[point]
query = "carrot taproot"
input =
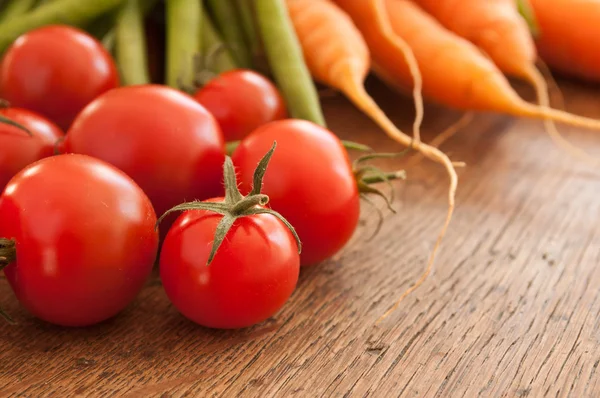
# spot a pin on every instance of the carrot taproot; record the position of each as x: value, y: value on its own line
x: 370, y: 18
x: 568, y: 39
x: 337, y: 55
x: 503, y: 34
x: 455, y: 73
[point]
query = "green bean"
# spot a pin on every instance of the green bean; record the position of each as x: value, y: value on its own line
x: 215, y: 54
x: 287, y: 62
x: 70, y: 12
x: 131, y: 44
x: 16, y: 8
x: 229, y: 25
x: 183, y: 40
x: 248, y: 20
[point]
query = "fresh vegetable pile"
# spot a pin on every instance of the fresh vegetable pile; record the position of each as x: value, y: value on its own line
x: 189, y: 133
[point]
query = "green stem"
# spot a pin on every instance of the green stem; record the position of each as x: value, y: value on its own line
x: 70, y: 12
x: 528, y: 14
x: 385, y: 177
x: 229, y: 25
x: 16, y: 8
x: 183, y: 40
x: 131, y: 44
x: 287, y: 62
x: 231, y: 146
x: 236, y: 205
x: 217, y: 57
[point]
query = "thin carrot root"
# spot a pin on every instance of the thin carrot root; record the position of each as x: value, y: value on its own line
x: 539, y: 84
x: 444, y: 136
x: 361, y: 98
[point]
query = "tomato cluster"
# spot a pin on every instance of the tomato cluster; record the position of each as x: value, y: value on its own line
x: 87, y: 166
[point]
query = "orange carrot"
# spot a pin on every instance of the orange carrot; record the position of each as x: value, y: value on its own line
x: 496, y: 27
x: 337, y: 55
x: 569, y: 36
x: 454, y: 71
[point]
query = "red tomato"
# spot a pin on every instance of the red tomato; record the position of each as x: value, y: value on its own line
x: 241, y: 101
x: 56, y: 71
x: 18, y: 148
x: 163, y: 139
x: 309, y: 181
x: 85, y: 239
x: 253, y: 273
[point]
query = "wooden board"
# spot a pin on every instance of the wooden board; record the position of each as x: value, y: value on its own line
x: 512, y: 308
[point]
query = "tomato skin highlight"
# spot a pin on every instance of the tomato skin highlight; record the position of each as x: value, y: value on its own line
x: 85, y: 239
x: 241, y: 101
x: 252, y: 275
x: 18, y: 148
x: 309, y: 181
x: 56, y: 71
x: 163, y: 139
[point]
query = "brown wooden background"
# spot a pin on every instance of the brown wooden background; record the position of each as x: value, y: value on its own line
x: 511, y: 310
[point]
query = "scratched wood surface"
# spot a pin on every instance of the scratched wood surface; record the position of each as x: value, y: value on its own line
x: 512, y: 308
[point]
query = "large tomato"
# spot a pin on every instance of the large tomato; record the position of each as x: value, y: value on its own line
x: 310, y: 181
x: 56, y: 71
x: 241, y: 101
x: 20, y: 149
x: 85, y: 239
x: 163, y: 139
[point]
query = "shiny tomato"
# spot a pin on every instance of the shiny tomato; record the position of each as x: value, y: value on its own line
x: 163, y: 139
x: 241, y: 101
x: 56, y: 71
x: 20, y: 149
x: 254, y: 271
x: 85, y: 239
x: 310, y: 181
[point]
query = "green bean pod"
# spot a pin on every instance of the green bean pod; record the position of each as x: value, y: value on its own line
x: 183, y: 41
x: 70, y: 12
x: 131, y: 44
x: 16, y: 8
x: 217, y: 57
x: 287, y: 62
x: 229, y: 25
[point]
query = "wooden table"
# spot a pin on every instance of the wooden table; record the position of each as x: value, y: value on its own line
x: 512, y: 308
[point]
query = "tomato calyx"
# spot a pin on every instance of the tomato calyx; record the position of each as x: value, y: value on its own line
x: 235, y: 205
x: 366, y: 175
x: 8, y: 255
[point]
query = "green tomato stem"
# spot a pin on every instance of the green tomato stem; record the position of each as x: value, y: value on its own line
x: 236, y: 205
x: 183, y: 40
x: 131, y: 44
x: 70, y: 12
x: 287, y: 61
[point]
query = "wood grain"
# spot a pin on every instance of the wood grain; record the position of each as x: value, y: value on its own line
x: 512, y: 309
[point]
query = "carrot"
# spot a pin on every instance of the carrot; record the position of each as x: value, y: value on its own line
x: 497, y: 28
x: 455, y: 73
x: 369, y: 17
x: 568, y: 39
x: 337, y: 55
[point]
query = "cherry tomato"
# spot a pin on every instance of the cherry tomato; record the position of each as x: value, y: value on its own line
x: 56, y: 71
x: 309, y: 181
x: 85, y: 239
x: 241, y: 101
x: 254, y: 271
x: 18, y: 148
x: 163, y: 139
